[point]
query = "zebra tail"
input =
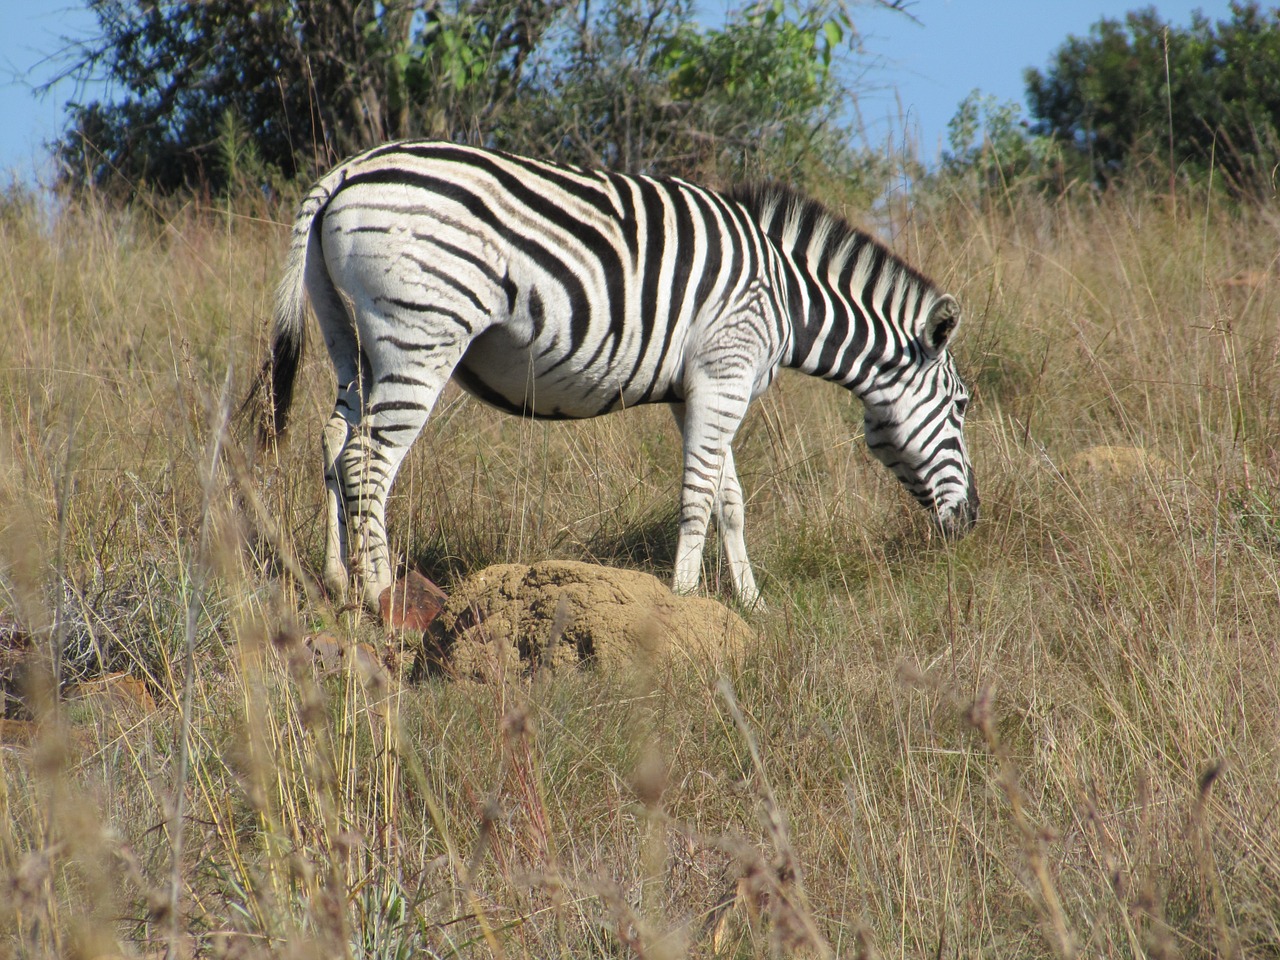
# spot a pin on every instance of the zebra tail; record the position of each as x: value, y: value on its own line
x: 288, y: 335
x: 273, y: 387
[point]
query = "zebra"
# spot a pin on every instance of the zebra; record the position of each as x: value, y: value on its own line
x: 557, y: 292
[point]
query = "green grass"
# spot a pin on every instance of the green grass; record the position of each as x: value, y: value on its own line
x: 1058, y: 737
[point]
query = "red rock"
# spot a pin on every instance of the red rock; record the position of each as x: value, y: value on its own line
x: 411, y: 603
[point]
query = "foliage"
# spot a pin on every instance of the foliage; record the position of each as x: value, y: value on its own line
x: 1141, y: 93
x: 308, y: 80
x: 991, y: 147
x: 762, y: 89
x: 647, y: 88
x: 637, y: 84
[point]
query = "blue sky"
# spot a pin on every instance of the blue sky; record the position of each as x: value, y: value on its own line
x: 927, y: 67
x: 919, y: 71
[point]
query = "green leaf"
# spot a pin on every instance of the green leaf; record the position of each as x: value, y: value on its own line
x: 834, y: 33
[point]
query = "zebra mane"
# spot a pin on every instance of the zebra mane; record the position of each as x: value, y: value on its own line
x: 795, y: 220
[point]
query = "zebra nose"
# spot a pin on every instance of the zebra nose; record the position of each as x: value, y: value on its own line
x: 960, y: 519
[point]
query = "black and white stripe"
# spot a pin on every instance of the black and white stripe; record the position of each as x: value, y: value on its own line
x: 556, y: 292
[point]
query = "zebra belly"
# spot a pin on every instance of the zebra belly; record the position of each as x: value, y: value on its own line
x: 532, y: 382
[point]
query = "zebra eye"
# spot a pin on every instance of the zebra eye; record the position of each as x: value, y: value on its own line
x: 962, y: 404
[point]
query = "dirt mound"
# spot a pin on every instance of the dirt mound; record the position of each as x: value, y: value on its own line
x: 563, y: 613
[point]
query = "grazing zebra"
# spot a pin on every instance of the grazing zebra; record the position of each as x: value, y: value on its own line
x: 555, y: 292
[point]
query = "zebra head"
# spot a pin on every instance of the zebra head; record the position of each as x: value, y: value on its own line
x: 915, y: 423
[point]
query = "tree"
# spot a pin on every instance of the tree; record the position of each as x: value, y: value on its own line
x: 646, y: 88
x: 304, y: 81
x: 990, y: 146
x: 206, y: 92
x: 1139, y: 93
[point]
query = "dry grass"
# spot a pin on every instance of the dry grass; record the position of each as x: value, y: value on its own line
x: 1056, y: 738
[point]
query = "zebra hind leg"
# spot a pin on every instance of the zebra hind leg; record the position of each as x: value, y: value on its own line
x: 403, y: 392
x: 334, y: 316
x: 336, y: 541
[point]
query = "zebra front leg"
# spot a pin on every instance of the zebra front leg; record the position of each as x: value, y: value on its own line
x: 731, y: 521
x: 691, y: 542
x: 727, y: 504
x: 708, y: 428
x: 696, y: 508
x: 694, y: 516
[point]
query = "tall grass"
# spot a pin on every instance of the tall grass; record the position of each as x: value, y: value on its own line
x: 1058, y: 737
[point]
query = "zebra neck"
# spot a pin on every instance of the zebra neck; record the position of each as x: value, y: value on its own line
x: 848, y: 321
x: 854, y: 307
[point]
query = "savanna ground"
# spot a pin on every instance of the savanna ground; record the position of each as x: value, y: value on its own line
x: 1058, y: 737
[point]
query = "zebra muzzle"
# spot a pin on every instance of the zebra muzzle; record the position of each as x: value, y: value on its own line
x: 960, y: 518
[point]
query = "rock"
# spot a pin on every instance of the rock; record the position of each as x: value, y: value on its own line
x: 1249, y: 280
x: 15, y: 649
x: 326, y: 652
x: 330, y: 655
x: 411, y: 603
x: 1119, y: 463
x: 562, y: 613
x: 53, y: 744
x: 116, y: 694
x: 17, y: 733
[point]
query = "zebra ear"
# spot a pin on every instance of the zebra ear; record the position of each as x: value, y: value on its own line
x: 944, y: 317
